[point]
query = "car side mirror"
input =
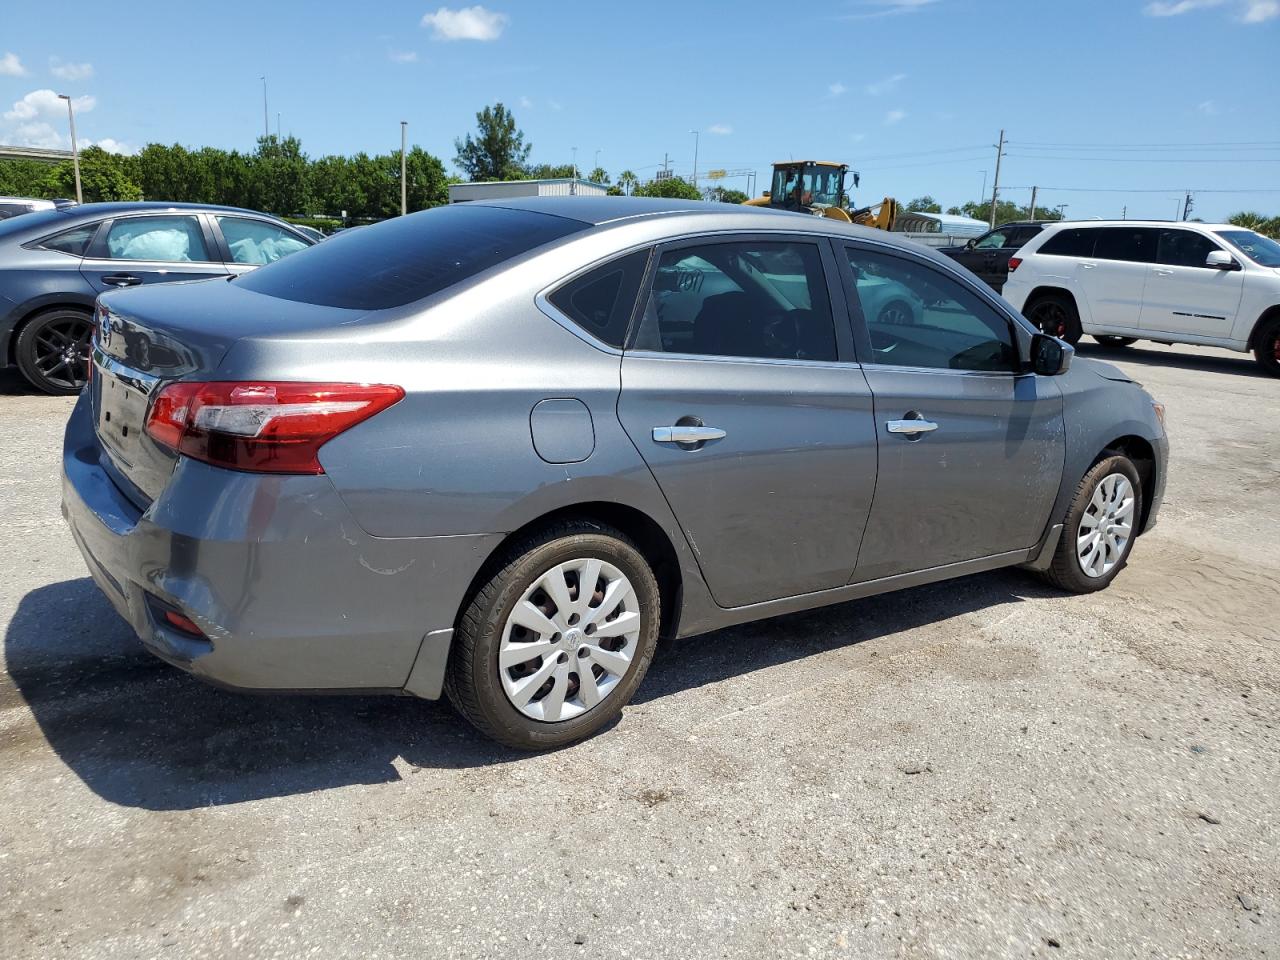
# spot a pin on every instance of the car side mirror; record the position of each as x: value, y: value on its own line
x: 970, y: 243
x: 1050, y: 356
x: 1221, y: 260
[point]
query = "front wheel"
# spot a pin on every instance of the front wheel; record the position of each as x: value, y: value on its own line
x: 555, y: 642
x: 1100, y: 526
x: 1056, y: 315
x: 1266, y: 348
x: 1109, y: 341
x: 53, y: 351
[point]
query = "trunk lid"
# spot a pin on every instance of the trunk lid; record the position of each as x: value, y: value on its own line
x: 146, y: 337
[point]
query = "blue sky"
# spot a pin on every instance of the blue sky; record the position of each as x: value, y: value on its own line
x: 912, y: 93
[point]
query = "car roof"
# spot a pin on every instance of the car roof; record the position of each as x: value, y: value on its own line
x: 138, y: 206
x: 1145, y: 223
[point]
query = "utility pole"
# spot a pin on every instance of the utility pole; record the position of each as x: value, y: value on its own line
x: 597, y: 163
x: 404, y: 184
x: 278, y: 137
x: 696, y: 137
x: 1124, y: 212
x: 1033, y: 203
x: 1187, y: 206
x: 75, y: 150
x: 573, y: 184
x: 995, y: 184
x: 266, y: 123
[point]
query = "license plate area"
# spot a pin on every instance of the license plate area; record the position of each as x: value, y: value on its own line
x: 122, y: 413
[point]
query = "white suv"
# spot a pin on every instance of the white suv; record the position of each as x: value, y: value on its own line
x: 1126, y: 280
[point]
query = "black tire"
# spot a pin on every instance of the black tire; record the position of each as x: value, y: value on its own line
x: 895, y: 312
x: 1056, y: 315
x: 1066, y: 572
x: 1266, y: 347
x: 1108, y: 341
x: 473, y: 683
x: 53, y: 350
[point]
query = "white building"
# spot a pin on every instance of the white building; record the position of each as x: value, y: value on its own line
x: 506, y: 189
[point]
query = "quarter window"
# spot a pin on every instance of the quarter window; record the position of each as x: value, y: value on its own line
x: 765, y: 300
x: 167, y: 239
x: 1132, y: 244
x: 1070, y: 242
x: 919, y: 317
x: 74, y: 242
x: 256, y: 242
x: 602, y: 300
x: 1184, y: 248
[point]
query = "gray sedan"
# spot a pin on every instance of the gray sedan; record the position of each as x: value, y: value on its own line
x: 498, y: 450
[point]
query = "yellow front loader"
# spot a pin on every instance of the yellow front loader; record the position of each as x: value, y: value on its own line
x: 818, y: 187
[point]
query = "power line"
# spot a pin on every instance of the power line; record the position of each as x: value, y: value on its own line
x: 1040, y: 156
x: 1178, y: 190
x: 1144, y: 146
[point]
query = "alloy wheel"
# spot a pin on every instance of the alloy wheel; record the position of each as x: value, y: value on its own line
x: 895, y: 312
x: 1106, y: 526
x: 61, y: 351
x: 570, y: 640
x: 1052, y: 319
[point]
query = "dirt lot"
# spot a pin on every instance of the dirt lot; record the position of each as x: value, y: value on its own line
x: 976, y: 769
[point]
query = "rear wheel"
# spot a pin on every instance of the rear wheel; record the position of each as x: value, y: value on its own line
x: 1266, y: 348
x: 1108, y: 341
x: 53, y: 351
x: 555, y: 642
x: 1100, y: 526
x: 1056, y: 315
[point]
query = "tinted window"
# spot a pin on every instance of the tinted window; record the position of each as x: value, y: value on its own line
x: 1132, y: 244
x: 1261, y: 250
x: 398, y: 261
x: 760, y: 299
x: 1183, y: 248
x: 1071, y: 242
x: 72, y: 241
x: 601, y: 301
x: 1024, y: 234
x: 167, y: 239
x: 257, y: 242
x: 993, y: 241
x: 919, y: 317
x: 8, y: 210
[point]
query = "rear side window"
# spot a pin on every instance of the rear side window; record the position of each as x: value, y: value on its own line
x: 1183, y: 248
x: 1071, y: 242
x: 1131, y: 244
x: 408, y: 258
x: 163, y: 239
x: 602, y: 300
x: 74, y: 242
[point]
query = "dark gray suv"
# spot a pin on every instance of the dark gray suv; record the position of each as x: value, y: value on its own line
x: 53, y: 263
x: 498, y: 449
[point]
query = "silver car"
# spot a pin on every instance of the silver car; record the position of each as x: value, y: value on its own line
x: 500, y: 449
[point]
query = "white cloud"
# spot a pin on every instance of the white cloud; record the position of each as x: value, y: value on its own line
x: 11, y: 66
x: 894, y: 116
x: 837, y: 88
x: 1209, y: 108
x: 1174, y: 8
x: 112, y: 145
x: 526, y: 103
x: 40, y: 120
x: 720, y: 129
x: 1259, y: 11
x: 888, y: 8
x: 466, y: 23
x: 70, y: 71
x: 402, y: 56
x: 45, y: 103
x: 881, y: 87
x: 1246, y: 11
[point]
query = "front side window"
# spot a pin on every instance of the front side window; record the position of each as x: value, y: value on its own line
x: 256, y: 242
x: 1131, y: 244
x: 993, y: 241
x: 1263, y: 251
x: 166, y: 239
x: 602, y: 300
x: 74, y: 241
x: 1183, y: 248
x: 760, y: 299
x: 919, y: 317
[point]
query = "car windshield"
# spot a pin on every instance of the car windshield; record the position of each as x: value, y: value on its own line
x: 808, y: 185
x: 1263, y: 251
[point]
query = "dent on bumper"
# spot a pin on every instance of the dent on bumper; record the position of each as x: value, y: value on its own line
x: 290, y: 592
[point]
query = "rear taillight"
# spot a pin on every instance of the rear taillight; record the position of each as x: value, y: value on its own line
x: 266, y: 427
x: 1014, y: 263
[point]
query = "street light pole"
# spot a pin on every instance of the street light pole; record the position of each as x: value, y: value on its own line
x: 404, y: 184
x: 266, y: 122
x: 75, y: 149
x: 696, y: 138
x: 573, y: 184
x: 597, y: 161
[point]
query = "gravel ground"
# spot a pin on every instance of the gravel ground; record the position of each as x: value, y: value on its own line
x: 984, y: 768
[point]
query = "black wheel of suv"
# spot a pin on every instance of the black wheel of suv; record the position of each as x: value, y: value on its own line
x: 1266, y: 348
x: 1056, y: 315
x: 1099, y: 528
x: 554, y: 643
x: 1107, y: 341
x: 53, y: 351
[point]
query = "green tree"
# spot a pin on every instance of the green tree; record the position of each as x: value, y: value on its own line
x: 103, y: 176
x: 1005, y: 211
x: 672, y: 187
x: 498, y: 152
x: 547, y: 171
x: 278, y: 176
x: 726, y: 195
x: 925, y: 204
x: 428, y: 186
x: 1252, y: 220
x: 599, y: 175
x: 628, y: 181
x: 26, y: 178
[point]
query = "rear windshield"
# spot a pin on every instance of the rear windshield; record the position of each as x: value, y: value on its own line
x: 402, y: 260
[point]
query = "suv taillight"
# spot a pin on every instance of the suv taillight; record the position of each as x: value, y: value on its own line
x: 265, y: 427
x: 1014, y: 263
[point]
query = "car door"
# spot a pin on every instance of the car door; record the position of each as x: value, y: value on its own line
x: 1184, y: 296
x: 971, y: 447
x: 739, y: 391
x: 246, y: 243
x: 983, y: 257
x: 1114, y: 277
x: 150, y: 248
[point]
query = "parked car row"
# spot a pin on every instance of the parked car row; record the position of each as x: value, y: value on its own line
x: 498, y: 449
x: 54, y: 262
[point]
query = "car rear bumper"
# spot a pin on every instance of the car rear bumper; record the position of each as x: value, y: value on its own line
x: 289, y: 592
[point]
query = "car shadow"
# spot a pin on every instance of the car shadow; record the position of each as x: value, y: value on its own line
x: 14, y: 384
x: 1242, y: 365
x: 142, y: 734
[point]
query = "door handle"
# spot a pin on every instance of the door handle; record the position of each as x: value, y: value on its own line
x: 121, y: 280
x: 1163, y: 273
x: 912, y: 428
x: 1087, y: 266
x: 689, y: 434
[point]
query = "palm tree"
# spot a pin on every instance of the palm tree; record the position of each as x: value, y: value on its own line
x: 599, y: 175
x: 628, y: 181
x: 1248, y: 219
